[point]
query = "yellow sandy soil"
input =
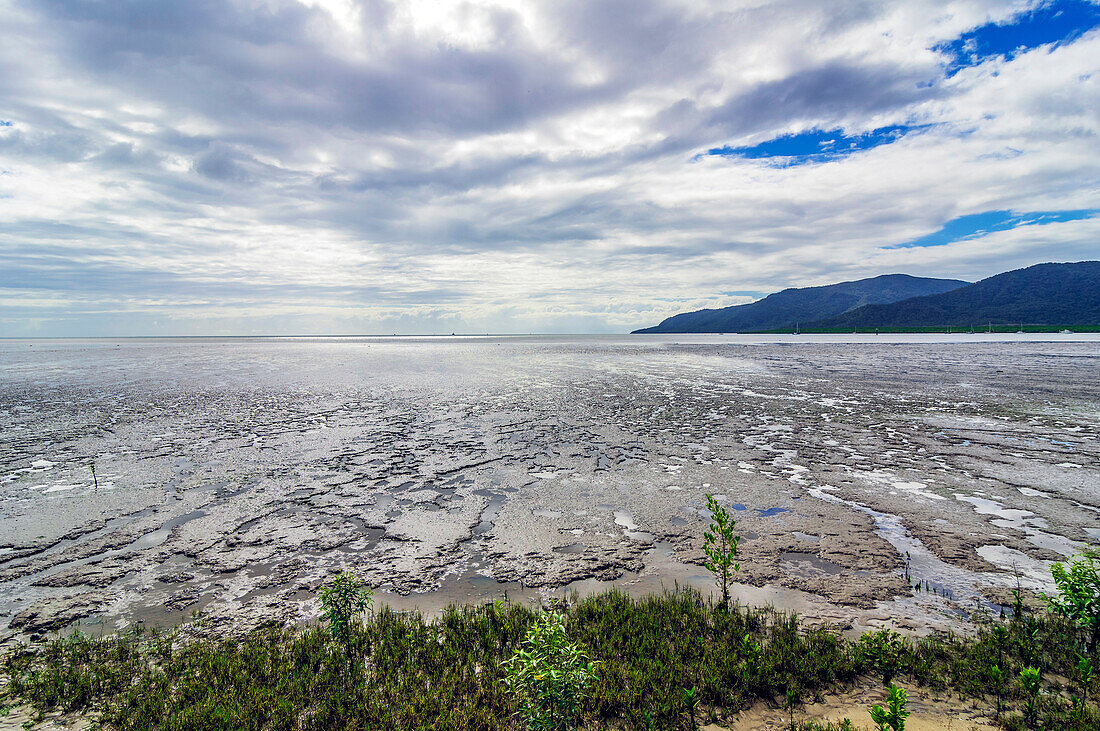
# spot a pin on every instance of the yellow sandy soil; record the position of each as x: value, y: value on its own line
x: 930, y: 711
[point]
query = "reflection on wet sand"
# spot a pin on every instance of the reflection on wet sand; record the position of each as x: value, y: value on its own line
x: 233, y: 476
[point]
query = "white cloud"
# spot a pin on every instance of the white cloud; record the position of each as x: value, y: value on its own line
x: 340, y: 166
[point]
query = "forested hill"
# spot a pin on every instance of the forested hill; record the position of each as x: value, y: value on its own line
x: 790, y: 307
x: 1044, y: 294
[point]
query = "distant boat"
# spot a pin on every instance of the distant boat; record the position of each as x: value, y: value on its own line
x: 1065, y: 332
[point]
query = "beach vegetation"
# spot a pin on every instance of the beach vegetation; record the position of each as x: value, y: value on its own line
x: 549, y: 674
x: 607, y: 660
x: 720, y: 546
x: 1031, y: 682
x: 343, y: 600
x: 882, y: 651
x: 891, y: 717
x: 403, y: 670
x: 1086, y: 674
x: 1078, y: 597
x: 997, y: 676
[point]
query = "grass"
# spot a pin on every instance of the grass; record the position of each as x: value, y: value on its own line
x: 404, y: 671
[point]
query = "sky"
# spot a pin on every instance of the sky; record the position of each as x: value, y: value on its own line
x: 240, y: 167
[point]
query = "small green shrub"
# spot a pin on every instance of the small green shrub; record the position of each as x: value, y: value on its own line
x: 1032, y: 683
x: 883, y: 650
x: 1086, y: 672
x: 998, y: 677
x: 549, y: 674
x: 690, y: 698
x: 1079, y: 593
x: 342, y: 600
x: 892, y: 717
x: 720, y: 547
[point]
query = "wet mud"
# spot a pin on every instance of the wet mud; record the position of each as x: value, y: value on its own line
x: 231, y: 477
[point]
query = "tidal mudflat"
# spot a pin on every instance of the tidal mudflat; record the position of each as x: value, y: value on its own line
x: 233, y: 475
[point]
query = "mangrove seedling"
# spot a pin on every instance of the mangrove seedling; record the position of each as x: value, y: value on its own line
x: 750, y: 665
x: 892, y: 717
x: 882, y: 650
x: 1031, y: 682
x: 1028, y: 643
x: 720, y: 546
x: 549, y: 675
x: 999, y: 634
x: 1085, y: 673
x: 1079, y: 593
x: 998, y: 677
x: 342, y: 601
x: 690, y: 699
x: 1017, y: 605
x: 792, y: 701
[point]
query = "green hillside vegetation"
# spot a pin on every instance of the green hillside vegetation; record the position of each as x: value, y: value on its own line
x: 1040, y: 298
x: 1060, y: 295
x: 987, y: 327
x: 787, y: 308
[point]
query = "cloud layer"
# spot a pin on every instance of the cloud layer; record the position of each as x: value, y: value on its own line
x: 332, y: 166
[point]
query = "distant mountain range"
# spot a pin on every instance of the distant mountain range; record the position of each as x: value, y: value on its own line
x: 1044, y: 294
x: 792, y: 307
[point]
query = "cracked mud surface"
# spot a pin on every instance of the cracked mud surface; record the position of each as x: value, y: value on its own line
x: 232, y: 476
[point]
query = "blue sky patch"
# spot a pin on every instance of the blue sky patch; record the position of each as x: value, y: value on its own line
x: 816, y: 145
x: 980, y: 224
x: 1060, y: 21
x: 4, y: 123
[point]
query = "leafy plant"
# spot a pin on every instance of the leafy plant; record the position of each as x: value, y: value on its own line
x: 792, y: 701
x: 751, y: 653
x: 998, y: 677
x: 342, y: 600
x: 550, y: 675
x: 1031, y: 682
x: 892, y: 717
x: 1028, y: 640
x: 720, y: 546
x: 690, y: 698
x: 999, y: 634
x: 1017, y: 603
x: 882, y: 650
x: 1079, y: 593
x: 1085, y: 673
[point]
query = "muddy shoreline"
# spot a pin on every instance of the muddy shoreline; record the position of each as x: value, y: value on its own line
x: 233, y: 476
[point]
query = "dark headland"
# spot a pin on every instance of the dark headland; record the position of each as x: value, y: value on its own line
x: 1040, y: 296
